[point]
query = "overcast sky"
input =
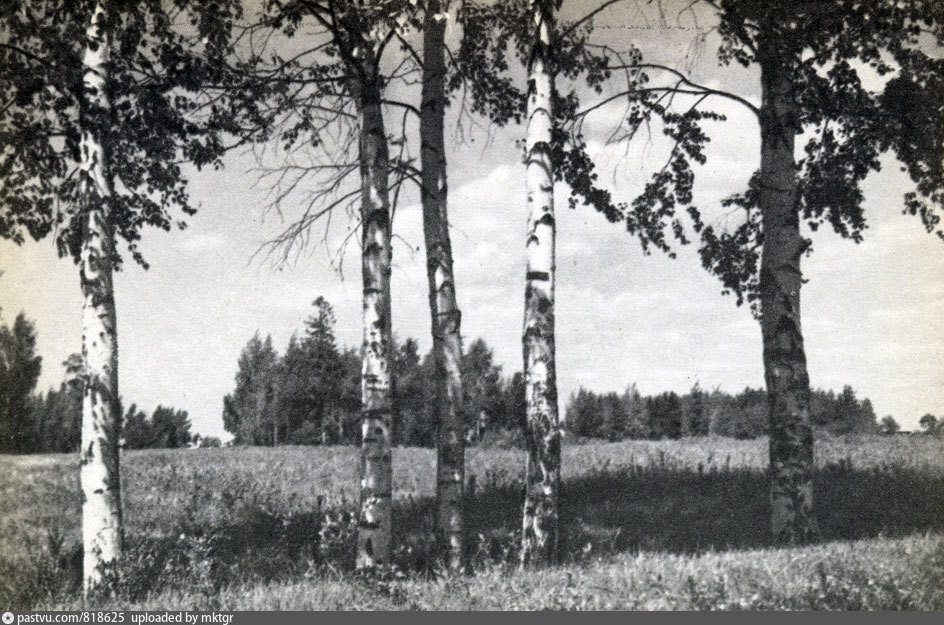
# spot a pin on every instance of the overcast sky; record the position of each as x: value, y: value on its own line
x: 871, y: 312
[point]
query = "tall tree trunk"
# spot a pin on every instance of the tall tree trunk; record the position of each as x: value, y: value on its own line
x: 373, y: 539
x: 788, y: 383
x: 539, y: 542
x: 101, y: 414
x: 444, y: 312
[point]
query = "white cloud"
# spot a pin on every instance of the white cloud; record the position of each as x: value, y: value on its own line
x: 201, y: 242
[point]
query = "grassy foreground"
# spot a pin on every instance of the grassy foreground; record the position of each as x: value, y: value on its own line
x: 647, y: 525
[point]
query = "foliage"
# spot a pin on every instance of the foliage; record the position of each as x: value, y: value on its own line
x: 164, y: 110
x: 485, y: 392
x: 171, y: 427
x: 309, y: 376
x: 166, y: 429
x: 206, y: 441
x: 495, y: 35
x: 52, y: 421
x: 865, y: 82
x: 412, y: 397
x: 314, y: 391
x: 248, y: 413
x: 136, y: 431
x: 609, y: 416
x: 57, y: 418
x: 931, y: 425
x: 311, y: 394
x: 665, y: 415
x: 19, y: 371
x: 841, y: 413
x: 888, y: 425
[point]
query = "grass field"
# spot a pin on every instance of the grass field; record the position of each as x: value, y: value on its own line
x: 647, y: 525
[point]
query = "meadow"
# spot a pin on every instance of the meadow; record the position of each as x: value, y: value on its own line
x: 646, y: 525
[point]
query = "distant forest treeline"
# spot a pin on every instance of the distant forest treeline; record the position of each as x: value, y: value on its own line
x: 310, y: 395
x: 700, y: 413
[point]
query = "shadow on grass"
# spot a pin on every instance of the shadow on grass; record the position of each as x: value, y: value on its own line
x: 684, y: 511
x: 666, y: 509
x: 634, y: 509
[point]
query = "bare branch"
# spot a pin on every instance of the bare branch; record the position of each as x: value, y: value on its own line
x: 696, y: 89
x: 404, y: 105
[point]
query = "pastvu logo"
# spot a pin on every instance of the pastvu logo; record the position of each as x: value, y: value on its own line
x: 7, y: 618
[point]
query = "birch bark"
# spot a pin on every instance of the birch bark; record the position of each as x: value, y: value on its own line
x: 443, y: 309
x: 374, y: 531
x: 785, y: 372
x: 541, y: 505
x: 101, y: 416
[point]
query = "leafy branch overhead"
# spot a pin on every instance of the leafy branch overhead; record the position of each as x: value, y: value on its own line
x: 484, y: 67
x: 590, y: 76
x: 867, y: 81
x: 169, y: 108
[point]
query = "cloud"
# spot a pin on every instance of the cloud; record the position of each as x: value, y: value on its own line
x: 202, y: 242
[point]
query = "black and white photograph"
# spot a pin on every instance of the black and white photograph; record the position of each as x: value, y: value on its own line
x: 470, y: 305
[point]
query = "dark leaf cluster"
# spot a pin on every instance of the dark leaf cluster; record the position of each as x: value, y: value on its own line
x: 165, y: 82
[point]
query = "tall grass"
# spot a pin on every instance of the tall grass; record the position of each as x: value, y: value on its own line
x: 212, y: 528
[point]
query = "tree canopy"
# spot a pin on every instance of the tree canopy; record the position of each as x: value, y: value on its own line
x: 866, y: 82
x: 165, y: 87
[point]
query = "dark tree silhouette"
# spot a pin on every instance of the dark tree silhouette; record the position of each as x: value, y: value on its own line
x: 19, y: 371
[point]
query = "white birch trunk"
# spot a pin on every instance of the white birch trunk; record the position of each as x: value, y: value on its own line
x: 101, y: 417
x: 540, y: 521
x: 444, y: 311
x: 374, y: 529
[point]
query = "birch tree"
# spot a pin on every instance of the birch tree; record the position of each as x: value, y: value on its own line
x: 550, y: 53
x: 358, y: 82
x: 539, y: 541
x: 103, y: 102
x: 443, y: 308
x: 311, y: 101
x: 101, y: 410
x: 490, y: 94
x: 335, y: 100
x: 817, y: 63
x: 374, y: 528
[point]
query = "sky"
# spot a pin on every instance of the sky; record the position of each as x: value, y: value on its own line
x: 871, y: 312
